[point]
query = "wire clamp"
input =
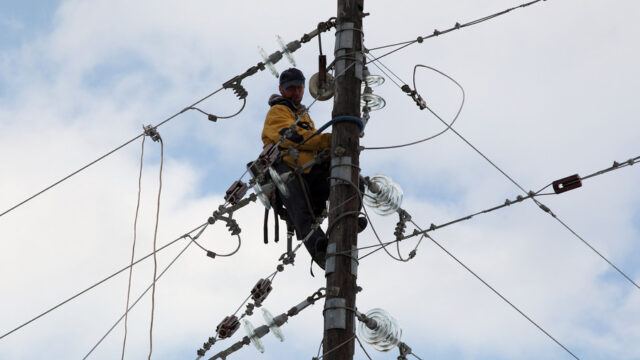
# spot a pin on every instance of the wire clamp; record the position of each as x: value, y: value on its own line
x: 152, y: 132
x: 415, y: 96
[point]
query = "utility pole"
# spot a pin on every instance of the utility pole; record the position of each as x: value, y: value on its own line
x: 342, y: 263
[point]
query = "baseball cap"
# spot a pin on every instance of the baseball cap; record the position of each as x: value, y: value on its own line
x: 291, y: 77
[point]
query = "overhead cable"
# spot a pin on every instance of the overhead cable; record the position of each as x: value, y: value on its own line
x: 436, y: 32
x: 141, y: 296
x: 502, y: 297
x: 99, y: 282
x: 423, y: 105
x: 233, y: 84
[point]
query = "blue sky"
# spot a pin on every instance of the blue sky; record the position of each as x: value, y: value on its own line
x: 550, y: 91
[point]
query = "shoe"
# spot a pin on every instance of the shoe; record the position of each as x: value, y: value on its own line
x: 362, y: 223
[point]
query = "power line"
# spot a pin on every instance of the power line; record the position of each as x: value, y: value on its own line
x: 436, y: 32
x: 106, y: 155
x: 448, y: 125
x: 139, y: 298
x: 98, y: 283
x: 502, y: 297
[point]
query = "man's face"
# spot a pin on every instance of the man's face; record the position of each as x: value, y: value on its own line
x: 293, y: 93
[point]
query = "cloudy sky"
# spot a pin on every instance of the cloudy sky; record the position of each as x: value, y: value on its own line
x: 551, y: 90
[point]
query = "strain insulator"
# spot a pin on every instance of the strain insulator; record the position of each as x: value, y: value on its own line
x: 227, y: 327
x: 566, y: 184
x: 261, y: 290
x: 236, y: 192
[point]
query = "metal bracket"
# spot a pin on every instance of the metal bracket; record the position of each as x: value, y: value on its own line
x: 344, y: 45
x: 330, y: 266
x: 335, y: 314
x: 340, y: 169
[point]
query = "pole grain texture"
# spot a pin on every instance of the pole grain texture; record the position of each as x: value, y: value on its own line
x: 341, y: 282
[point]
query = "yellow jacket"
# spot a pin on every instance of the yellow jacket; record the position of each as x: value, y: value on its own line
x: 281, y: 115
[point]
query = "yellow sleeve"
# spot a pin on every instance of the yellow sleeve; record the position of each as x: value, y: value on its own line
x: 279, y: 119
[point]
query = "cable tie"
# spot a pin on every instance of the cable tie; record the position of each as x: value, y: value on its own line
x: 420, y: 39
x: 436, y: 32
x: 457, y: 26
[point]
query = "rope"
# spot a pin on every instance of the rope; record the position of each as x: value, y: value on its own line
x: 155, y: 261
x: 133, y: 248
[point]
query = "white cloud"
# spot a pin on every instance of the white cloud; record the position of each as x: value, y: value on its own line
x: 550, y: 92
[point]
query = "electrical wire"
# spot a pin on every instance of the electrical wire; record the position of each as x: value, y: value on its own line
x: 501, y: 296
x: 216, y: 117
x: 107, y: 154
x: 97, y: 284
x: 137, y: 300
x: 133, y: 248
x: 363, y: 349
x: 448, y: 125
x: 457, y: 26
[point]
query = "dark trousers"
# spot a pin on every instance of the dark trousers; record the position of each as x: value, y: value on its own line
x: 316, y: 184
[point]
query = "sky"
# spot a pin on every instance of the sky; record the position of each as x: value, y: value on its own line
x: 549, y: 92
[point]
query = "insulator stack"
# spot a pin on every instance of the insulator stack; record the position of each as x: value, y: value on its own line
x: 383, y: 195
x: 385, y: 335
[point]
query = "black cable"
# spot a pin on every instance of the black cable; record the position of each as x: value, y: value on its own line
x: 107, y: 154
x: 98, y: 283
x: 501, y: 296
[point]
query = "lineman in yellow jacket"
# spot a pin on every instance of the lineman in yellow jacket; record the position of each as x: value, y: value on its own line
x: 309, y: 192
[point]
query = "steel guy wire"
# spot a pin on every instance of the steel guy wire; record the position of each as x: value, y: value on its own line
x: 201, y: 227
x: 436, y: 32
x: 137, y: 300
x: 501, y: 296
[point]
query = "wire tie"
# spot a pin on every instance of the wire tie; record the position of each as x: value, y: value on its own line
x: 436, y: 32
x: 433, y: 227
x: 630, y: 162
x: 457, y: 26
x: 616, y: 164
x: 420, y: 39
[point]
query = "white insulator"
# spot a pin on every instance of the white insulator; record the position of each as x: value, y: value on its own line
x: 279, y: 181
x: 372, y: 81
x: 383, y: 195
x: 371, y: 101
x: 251, y: 334
x: 387, y: 333
x: 263, y: 193
x: 286, y: 51
x: 275, y: 329
x: 268, y: 62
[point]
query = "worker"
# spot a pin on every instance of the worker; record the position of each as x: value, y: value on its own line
x: 308, y: 192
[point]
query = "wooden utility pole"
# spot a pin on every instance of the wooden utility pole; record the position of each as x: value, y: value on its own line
x: 342, y: 263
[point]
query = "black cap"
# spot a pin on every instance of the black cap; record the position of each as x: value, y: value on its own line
x: 291, y: 77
